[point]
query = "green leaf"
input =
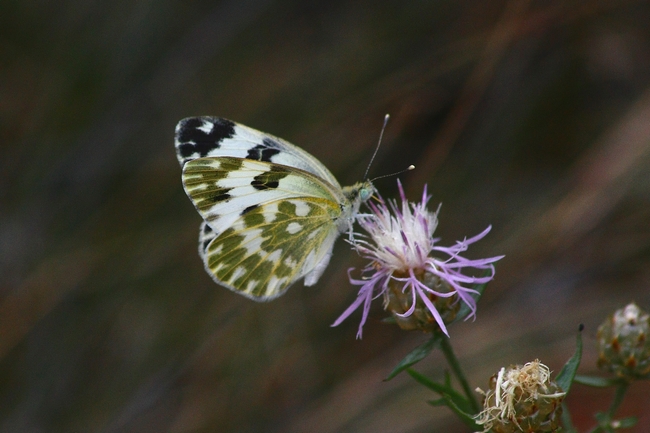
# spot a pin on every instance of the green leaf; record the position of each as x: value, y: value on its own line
x: 597, y: 382
x: 416, y: 355
x: 447, y: 379
x: 565, y: 377
x: 458, y: 399
x: 627, y: 422
x: 465, y: 417
x: 604, y: 422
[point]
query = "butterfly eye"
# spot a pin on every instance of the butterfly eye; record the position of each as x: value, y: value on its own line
x: 366, y: 192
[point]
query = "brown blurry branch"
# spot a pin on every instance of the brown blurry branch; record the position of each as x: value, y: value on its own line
x: 472, y: 92
x: 599, y: 181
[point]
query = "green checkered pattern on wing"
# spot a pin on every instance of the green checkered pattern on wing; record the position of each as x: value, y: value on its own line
x: 215, y: 185
x: 265, y: 271
x: 201, y: 178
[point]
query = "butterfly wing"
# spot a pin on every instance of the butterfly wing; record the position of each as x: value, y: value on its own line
x: 261, y: 260
x: 198, y: 137
x: 266, y: 225
x: 271, y: 210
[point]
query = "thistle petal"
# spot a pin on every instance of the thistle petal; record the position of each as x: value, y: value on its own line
x: 401, y: 248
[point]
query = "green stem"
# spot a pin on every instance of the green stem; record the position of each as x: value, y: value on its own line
x: 621, y: 389
x: 446, y: 348
x: 603, y: 426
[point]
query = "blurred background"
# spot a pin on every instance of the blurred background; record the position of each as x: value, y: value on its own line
x: 531, y: 116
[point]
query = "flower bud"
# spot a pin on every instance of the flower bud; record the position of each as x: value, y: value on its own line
x: 398, y: 299
x: 521, y: 398
x: 623, y: 346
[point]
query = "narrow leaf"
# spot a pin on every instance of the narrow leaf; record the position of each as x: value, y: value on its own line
x: 447, y: 379
x: 565, y: 377
x: 604, y: 422
x: 465, y: 417
x: 597, y: 382
x: 415, y: 356
x: 438, y: 402
x: 627, y: 422
x: 458, y: 399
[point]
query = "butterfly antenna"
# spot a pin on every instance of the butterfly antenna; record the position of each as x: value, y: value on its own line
x: 409, y: 168
x: 381, y: 134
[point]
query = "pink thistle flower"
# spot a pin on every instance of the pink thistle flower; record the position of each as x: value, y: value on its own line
x: 404, y: 270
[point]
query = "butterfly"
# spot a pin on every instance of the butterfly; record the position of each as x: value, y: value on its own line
x: 271, y: 211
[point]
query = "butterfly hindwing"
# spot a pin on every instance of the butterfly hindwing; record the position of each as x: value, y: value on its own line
x: 272, y: 246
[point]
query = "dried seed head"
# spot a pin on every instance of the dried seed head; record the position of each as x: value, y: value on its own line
x: 521, y: 398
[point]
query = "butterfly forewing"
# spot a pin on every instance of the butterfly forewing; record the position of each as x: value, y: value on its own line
x: 198, y: 137
x: 224, y: 189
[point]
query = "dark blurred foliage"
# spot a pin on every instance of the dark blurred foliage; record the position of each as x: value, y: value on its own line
x: 532, y: 116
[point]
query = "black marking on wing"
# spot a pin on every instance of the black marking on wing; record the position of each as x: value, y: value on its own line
x: 269, y: 179
x: 193, y: 140
x: 249, y: 208
x: 202, y: 180
x: 206, y: 235
x: 212, y: 197
x: 264, y: 151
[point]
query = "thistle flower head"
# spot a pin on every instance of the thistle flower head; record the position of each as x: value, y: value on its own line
x: 624, y: 344
x: 521, y: 398
x: 422, y: 282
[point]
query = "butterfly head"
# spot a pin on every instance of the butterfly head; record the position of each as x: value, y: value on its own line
x: 366, y: 190
x: 359, y: 193
x: 356, y: 195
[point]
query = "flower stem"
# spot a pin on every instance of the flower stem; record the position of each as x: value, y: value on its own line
x: 446, y: 348
x: 605, y: 422
x: 621, y: 389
